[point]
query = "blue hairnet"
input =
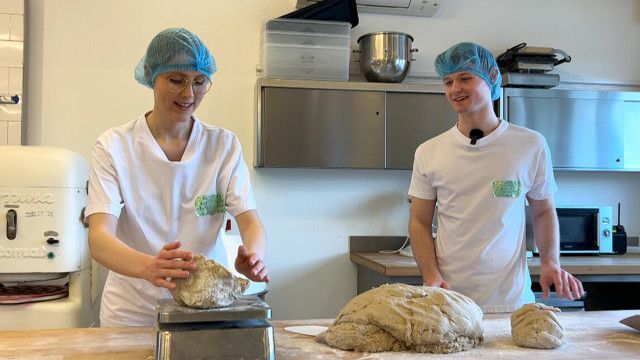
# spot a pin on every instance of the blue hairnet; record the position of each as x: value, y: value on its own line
x: 174, y: 49
x: 473, y: 58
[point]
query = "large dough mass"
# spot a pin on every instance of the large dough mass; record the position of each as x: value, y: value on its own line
x: 210, y: 286
x: 536, y: 326
x: 402, y: 317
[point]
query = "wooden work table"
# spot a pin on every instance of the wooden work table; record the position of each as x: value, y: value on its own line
x: 589, y: 335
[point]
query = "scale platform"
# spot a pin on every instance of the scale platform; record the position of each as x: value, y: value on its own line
x: 237, y: 331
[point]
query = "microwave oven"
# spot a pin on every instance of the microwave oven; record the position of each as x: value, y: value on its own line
x: 583, y: 230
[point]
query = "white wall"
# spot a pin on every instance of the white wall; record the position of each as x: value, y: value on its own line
x: 11, y: 61
x: 80, y: 61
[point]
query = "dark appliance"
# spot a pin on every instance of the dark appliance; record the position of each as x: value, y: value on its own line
x: 328, y: 10
x: 619, y: 237
x: 527, y: 66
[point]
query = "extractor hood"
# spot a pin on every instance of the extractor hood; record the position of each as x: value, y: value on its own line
x: 396, y: 7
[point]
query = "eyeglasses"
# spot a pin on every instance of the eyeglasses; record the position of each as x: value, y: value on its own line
x: 200, y: 85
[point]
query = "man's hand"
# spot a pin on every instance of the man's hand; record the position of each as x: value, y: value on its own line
x: 438, y: 281
x: 251, y: 265
x: 566, y: 284
x: 170, y: 263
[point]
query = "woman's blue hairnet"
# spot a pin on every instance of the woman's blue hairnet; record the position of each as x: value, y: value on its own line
x: 470, y: 57
x: 174, y: 49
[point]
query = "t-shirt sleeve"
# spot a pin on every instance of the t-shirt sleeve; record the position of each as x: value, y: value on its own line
x: 239, y: 196
x: 420, y: 186
x: 104, y: 186
x: 544, y: 184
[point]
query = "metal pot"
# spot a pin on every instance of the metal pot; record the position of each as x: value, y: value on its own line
x: 385, y: 56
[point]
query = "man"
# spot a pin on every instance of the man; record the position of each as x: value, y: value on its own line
x: 479, y: 173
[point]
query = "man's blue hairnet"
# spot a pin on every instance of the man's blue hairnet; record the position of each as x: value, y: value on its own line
x: 473, y: 58
x: 171, y: 50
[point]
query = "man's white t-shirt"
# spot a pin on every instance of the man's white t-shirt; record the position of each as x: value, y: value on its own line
x: 480, y: 192
x: 158, y: 201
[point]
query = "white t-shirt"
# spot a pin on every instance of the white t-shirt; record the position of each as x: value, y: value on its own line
x: 480, y: 191
x: 158, y: 201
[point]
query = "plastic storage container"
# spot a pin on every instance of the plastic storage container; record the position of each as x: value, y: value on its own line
x: 307, y: 49
x: 309, y: 26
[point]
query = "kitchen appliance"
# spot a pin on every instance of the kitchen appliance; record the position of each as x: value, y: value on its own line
x: 331, y: 10
x: 395, y: 7
x: 531, y: 59
x: 385, y: 56
x: 527, y: 66
x: 238, y: 331
x: 45, y: 270
x: 619, y: 237
x: 583, y: 230
x: 530, y: 80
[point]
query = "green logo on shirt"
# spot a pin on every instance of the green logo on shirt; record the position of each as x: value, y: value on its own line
x: 209, y: 204
x: 506, y: 188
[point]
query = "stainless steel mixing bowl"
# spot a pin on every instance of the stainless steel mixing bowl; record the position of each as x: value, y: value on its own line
x: 385, y: 56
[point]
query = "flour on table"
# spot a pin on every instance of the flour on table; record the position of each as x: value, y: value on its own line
x: 210, y: 286
x: 401, y: 317
x: 536, y: 326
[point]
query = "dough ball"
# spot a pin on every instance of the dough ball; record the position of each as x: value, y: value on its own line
x: 536, y: 326
x: 210, y: 286
x: 402, y: 317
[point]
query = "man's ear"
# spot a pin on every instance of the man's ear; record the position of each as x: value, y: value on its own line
x: 493, y: 75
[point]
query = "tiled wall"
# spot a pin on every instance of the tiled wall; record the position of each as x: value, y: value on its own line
x: 11, y: 60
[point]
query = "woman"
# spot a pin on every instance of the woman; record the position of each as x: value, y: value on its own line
x: 161, y: 184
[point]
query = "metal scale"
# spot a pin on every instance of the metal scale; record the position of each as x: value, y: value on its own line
x: 238, y: 331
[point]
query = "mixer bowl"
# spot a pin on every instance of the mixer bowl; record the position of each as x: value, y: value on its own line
x: 385, y: 56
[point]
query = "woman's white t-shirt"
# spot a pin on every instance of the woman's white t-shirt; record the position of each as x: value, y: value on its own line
x: 158, y: 201
x: 480, y: 191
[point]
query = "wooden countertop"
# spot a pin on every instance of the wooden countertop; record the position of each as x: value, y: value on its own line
x: 591, y: 335
x: 398, y: 265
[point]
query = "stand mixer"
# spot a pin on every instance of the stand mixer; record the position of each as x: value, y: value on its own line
x: 46, y: 279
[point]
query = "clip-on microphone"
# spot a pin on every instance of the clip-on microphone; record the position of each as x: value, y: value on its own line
x: 475, y: 134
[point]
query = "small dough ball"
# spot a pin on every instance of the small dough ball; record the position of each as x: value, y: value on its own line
x: 401, y: 317
x: 210, y: 286
x: 537, y: 326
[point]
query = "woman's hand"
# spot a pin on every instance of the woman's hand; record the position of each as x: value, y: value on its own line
x: 170, y: 263
x: 251, y: 265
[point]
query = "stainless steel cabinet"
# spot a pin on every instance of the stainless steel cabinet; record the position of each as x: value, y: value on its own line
x: 632, y: 135
x: 413, y: 118
x: 335, y: 128
x: 321, y: 128
x: 585, y: 130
